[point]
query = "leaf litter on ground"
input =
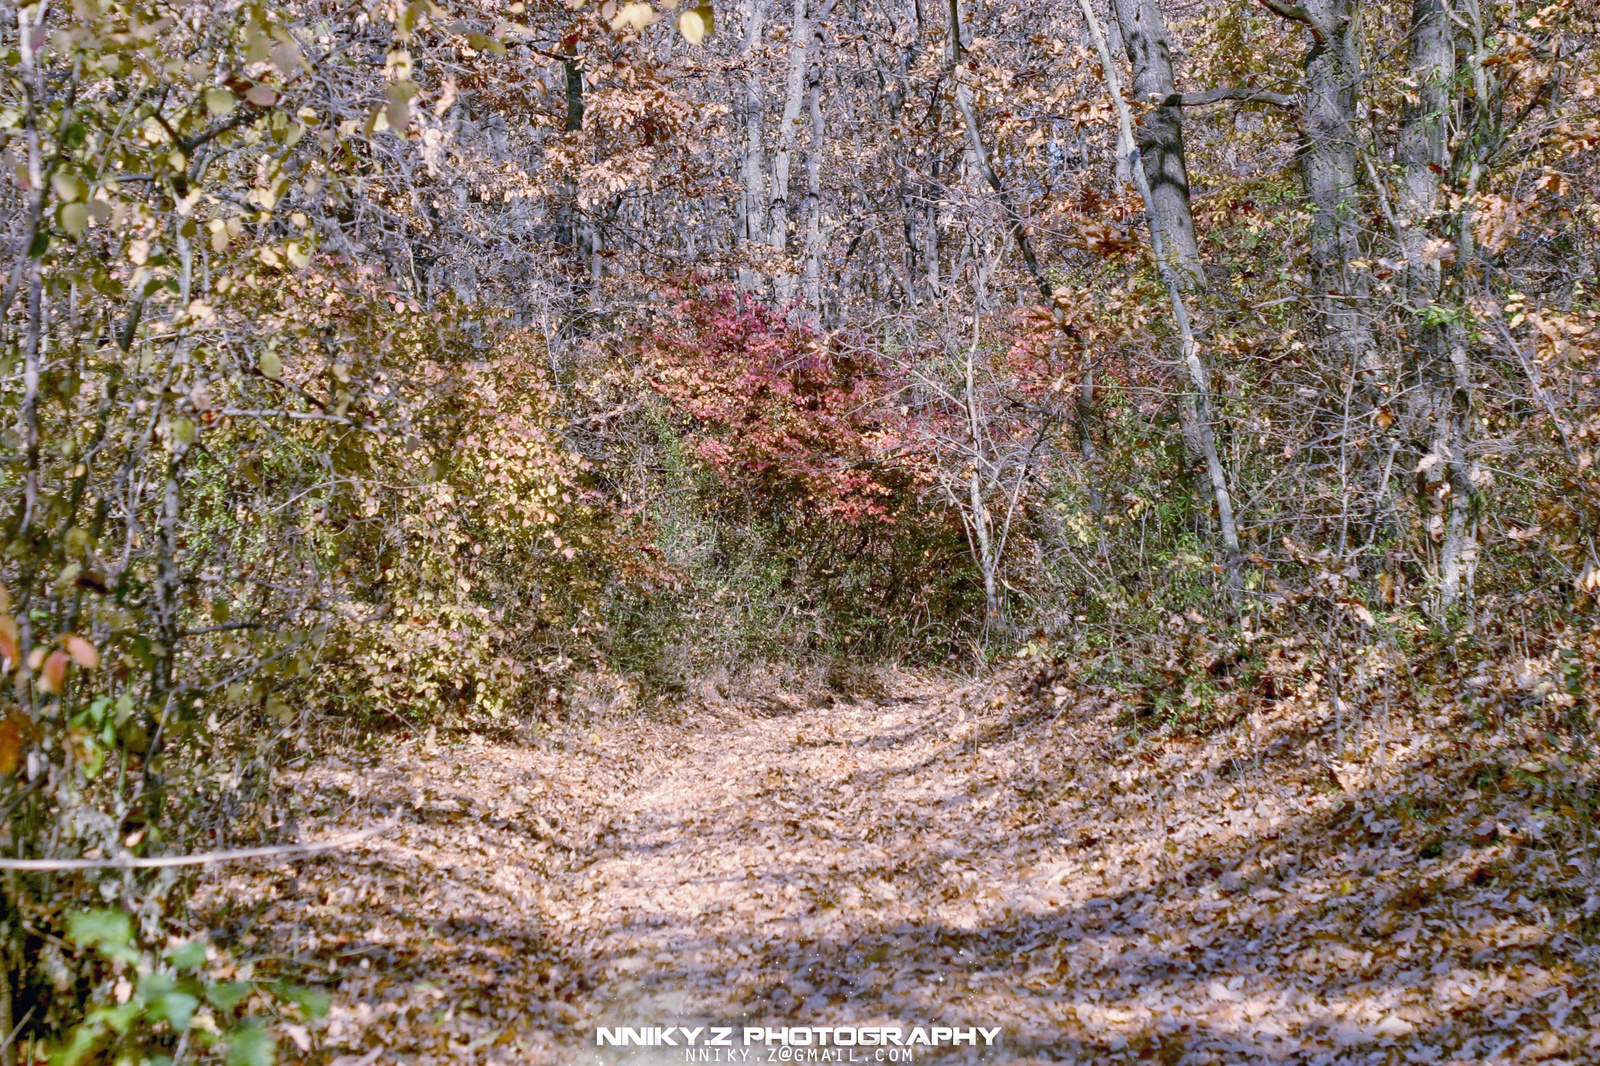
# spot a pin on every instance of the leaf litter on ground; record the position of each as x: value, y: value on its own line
x: 986, y: 854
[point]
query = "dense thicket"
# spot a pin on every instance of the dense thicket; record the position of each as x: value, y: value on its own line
x: 444, y: 363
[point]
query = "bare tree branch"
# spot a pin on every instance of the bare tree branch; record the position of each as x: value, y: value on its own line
x: 1298, y: 13
x: 128, y: 862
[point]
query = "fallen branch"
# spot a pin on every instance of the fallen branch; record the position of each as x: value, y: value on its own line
x: 1216, y: 96
x: 130, y: 862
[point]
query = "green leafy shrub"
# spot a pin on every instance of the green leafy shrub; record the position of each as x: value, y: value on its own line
x: 146, y: 1007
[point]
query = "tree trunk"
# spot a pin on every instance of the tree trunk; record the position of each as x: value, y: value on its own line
x: 1437, y: 370
x: 1341, y: 296
x: 572, y: 122
x: 812, y: 290
x: 1197, y: 404
x: 979, y: 519
x: 932, y: 194
x: 753, y: 174
x: 1160, y: 137
x: 576, y: 230
x: 799, y: 46
x: 1084, y: 416
x: 904, y: 187
x: 1328, y: 170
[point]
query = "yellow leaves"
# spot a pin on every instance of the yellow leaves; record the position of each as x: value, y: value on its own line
x: 1497, y: 221
x: 143, y: 31
x: 74, y: 219
x: 258, y: 44
x: 697, y: 23
x: 447, y: 97
x: 1562, y: 337
x: 17, y: 731
x: 1436, y: 250
x: 1097, y: 112
x: 270, y: 364
x: 220, y: 102
x: 69, y: 187
x: 633, y: 18
x: 414, y: 15
x: 201, y: 312
x: 286, y: 54
x: 1553, y: 182
x: 397, y: 115
x: 266, y: 193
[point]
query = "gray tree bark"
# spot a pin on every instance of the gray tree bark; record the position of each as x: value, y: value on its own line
x: 1437, y: 372
x: 752, y: 169
x: 576, y: 229
x: 1328, y: 169
x: 1197, y: 402
x: 812, y: 285
x: 1160, y: 136
x: 778, y: 214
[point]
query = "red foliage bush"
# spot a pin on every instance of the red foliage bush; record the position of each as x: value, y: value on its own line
x: 790, y: 419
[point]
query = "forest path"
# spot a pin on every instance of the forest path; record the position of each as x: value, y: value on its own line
x: 935, y: 857
x: 827, y: 865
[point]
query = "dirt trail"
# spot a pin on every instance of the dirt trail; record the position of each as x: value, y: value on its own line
x: 929, y: 858
x: 827, y: 868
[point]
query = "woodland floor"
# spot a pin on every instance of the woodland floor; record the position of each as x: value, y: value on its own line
x: 935, y: 856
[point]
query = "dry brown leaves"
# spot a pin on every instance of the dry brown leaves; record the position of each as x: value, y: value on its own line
x: 956, y: 857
